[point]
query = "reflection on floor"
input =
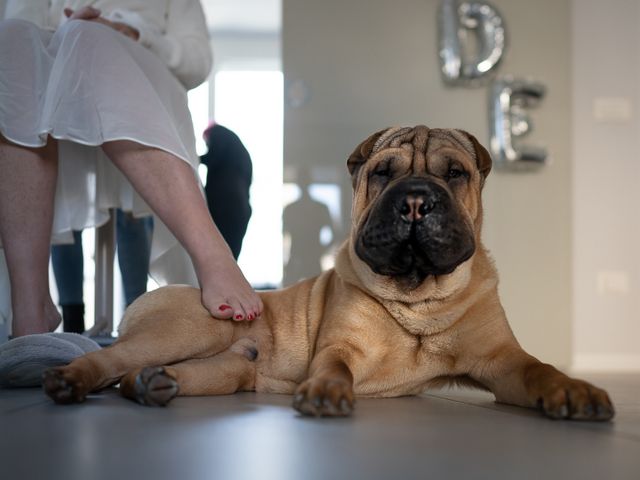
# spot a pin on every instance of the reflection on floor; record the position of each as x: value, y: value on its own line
x: 443, y: 435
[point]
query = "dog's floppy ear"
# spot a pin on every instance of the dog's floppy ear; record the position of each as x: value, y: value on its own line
x: 483, y: 159
x: 362, y: 153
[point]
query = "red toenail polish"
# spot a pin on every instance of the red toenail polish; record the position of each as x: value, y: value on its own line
x: 250, y: 317
x: 224, y: 307
x: 238, y: 317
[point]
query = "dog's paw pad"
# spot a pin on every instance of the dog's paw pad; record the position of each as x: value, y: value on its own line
x: 324, y: 398
x: 155, y: 387
x: 60, y: 388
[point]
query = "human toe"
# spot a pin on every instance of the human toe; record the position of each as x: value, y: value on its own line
x: 254, y: 311
x: 219, y: 307
x: 239, y: 313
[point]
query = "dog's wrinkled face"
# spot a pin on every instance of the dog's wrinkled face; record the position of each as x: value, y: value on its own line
x: 417, y: 210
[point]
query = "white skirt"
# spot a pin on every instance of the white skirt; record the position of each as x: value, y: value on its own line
x: 84, y: 85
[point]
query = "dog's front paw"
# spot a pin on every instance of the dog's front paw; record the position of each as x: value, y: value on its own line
x: 62, y: 386
x: 573, y: 399
x: 155, y: 387
x: 321, y: 397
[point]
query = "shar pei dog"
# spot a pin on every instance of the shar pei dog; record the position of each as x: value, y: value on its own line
x: 411, y: 304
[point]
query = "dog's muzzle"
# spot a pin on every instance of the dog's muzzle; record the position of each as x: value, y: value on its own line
x: 414, y: 230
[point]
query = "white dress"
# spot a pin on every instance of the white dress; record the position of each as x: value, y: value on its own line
x: 84, y: 84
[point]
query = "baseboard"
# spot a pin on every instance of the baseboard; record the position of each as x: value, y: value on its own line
x: 606, y: 362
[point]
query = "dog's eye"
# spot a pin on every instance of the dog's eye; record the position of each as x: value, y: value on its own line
x: 382, y: 172
x: 455, y: 172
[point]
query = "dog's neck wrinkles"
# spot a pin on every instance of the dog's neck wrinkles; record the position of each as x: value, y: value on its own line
x: 430, y: 309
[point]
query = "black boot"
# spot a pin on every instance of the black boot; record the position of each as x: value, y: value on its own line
x: 73, y: 318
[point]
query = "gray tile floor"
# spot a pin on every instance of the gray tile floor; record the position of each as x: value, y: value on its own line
x: 442, y: 435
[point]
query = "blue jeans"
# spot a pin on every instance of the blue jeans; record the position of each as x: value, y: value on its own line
x: 133, y: 237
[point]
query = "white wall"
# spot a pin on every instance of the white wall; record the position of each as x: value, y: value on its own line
x: 243, y: 51
x: 374, y: 63
x: 606, y: 240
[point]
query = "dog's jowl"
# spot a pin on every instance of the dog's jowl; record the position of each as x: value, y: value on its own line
x: 412, y: 303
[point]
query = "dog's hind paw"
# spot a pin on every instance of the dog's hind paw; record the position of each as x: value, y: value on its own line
x: 155, y: 387
x: 61, y: 387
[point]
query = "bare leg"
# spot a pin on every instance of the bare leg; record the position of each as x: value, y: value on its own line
x: 222, y: 374
x: 170, y: 188
x: 27, y: 189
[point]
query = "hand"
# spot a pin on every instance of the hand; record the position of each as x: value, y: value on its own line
x: 93, y: 14
x: 84, y: 13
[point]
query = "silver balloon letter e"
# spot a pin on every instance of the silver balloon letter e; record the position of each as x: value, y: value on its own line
x: 509, y: 98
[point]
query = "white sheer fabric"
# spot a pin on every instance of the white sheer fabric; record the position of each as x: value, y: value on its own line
x: 86, y: 84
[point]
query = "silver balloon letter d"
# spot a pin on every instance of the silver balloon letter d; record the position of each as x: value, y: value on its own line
x: 456, y: 21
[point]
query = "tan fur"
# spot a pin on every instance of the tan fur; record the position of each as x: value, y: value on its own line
x: 347, y: 332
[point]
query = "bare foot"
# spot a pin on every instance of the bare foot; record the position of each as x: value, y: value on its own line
x: 225, y: 291
x: 53, y: 316
x: 35, y: 317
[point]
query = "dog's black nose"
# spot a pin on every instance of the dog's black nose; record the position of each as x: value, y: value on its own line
x: 416, y: 206
x: 416, y: 198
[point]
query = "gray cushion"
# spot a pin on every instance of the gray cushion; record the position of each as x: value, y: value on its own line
x: 24, y: 359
